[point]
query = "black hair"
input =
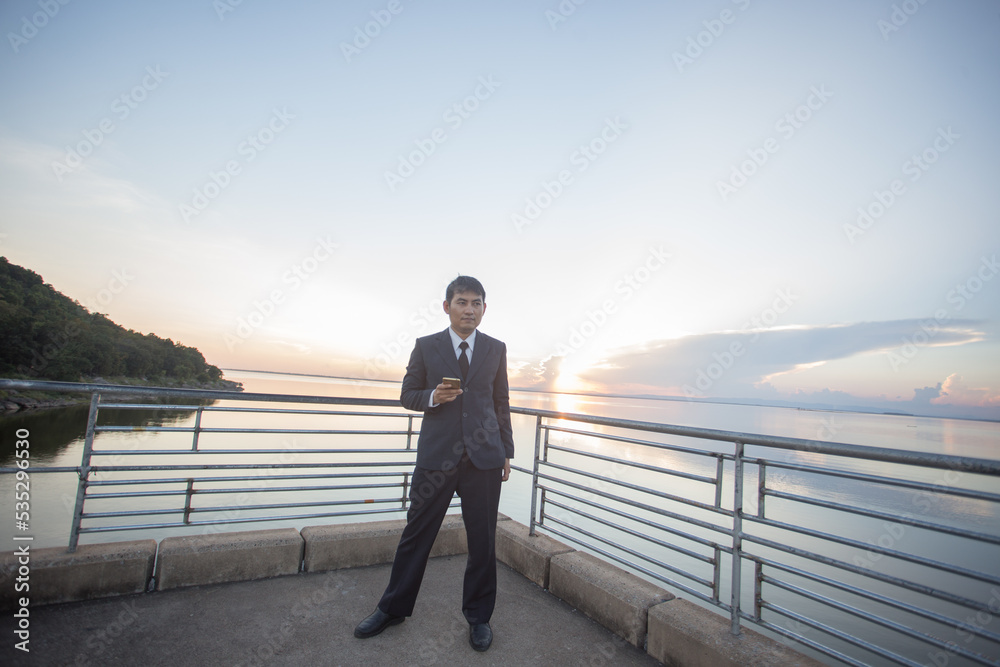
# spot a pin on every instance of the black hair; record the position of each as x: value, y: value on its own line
x: 464, y: 284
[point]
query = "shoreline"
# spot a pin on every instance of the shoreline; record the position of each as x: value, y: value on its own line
x: 16, y: 402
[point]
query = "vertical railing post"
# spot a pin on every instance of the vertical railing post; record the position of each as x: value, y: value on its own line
x: 761, y: 488
x: 534, y: 473
x: 717, y: 574
x: 758, y: 586
x: 81, y: 489
x: 197, y: 430
x: 187, y: 500
x: 736, y: 583
x: 719, y: 476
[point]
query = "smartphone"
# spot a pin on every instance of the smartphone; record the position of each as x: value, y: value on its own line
x: 454, y: 383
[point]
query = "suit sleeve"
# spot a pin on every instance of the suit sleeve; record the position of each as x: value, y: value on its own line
x: 501, y: 405
x: 414, y: 394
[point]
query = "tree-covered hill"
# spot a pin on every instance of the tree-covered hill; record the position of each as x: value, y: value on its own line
x: 45, y: 335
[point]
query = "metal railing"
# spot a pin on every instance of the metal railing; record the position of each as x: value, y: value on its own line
x: 815, y: 536
x: 867, y: 555
x: 232, y: 477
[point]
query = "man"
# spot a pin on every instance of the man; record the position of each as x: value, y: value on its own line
x: 465, y: 447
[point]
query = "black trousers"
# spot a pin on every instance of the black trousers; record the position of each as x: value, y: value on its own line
x: 430, y: 495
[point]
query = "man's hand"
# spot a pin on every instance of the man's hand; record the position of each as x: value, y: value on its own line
x: 506, y: 470
x: 445, y: 394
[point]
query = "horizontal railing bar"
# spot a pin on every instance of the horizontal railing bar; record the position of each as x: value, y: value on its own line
x: 635, y: 441
x: 35, y: 469
x: 856, y: 569
x: 876, y: 619
x: 250, y: 466
x: 670, y: 568
x: 805, y: 641
x: 659, y: 577
x: 174, y: 452
x: 906, y: 457
x: 873, y: 596
x: 843, y: 636
x: 245, y: 489
x: 129, y: 390
x: 652, y: 524
x: 876, y: 514
x: 633, y: 464
x: 846, y: 541
x: 879, y: 479
x: 238, y: 478
x: 635, y: 487
x: 232, y: 508
x: 633, y: 503
x: 223, y: 408
x: 211, y: 522
x: 269, y: 431
x: 633, y: 533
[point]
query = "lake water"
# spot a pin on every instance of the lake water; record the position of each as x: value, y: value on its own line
x: 56, y: 438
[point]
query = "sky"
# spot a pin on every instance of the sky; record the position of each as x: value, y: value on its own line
x: 777, y: 201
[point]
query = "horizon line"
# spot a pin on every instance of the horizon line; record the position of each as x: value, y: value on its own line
x: 652, y: 397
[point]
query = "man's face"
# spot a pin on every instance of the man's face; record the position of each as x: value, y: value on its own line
x: 466, y: 312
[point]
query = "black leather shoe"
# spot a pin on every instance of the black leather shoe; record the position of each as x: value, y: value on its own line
x: 376, y: 623
x: 480, y: 636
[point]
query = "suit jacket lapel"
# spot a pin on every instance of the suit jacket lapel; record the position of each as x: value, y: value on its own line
x: 479, y: 353
x: 448, y: 354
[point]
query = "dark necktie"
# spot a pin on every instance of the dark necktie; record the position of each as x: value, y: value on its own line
x: 463, y: 358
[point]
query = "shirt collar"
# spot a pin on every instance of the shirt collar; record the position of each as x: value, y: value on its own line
x: 456, y: 340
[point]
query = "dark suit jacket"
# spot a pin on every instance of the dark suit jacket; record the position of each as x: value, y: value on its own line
x: 478, y: 421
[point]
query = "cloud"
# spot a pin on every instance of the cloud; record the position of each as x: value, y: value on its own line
x: 28, y: 170
x: 927, y: 395
x: 731, y: 363
x: 954, y: 390
x: 541, y: 375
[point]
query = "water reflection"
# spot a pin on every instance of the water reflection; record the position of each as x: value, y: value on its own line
x: 54, y: 432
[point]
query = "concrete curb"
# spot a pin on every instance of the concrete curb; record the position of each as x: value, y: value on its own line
x: 529, y: 555
x: 673, y: 631
x: 213, y: 559
x: 346, y: 545
x: 683, y: 634
x: 92, y: 571
x: 616, y: 599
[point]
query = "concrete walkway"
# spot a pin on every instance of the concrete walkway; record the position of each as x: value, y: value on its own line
x: 308, y: 620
